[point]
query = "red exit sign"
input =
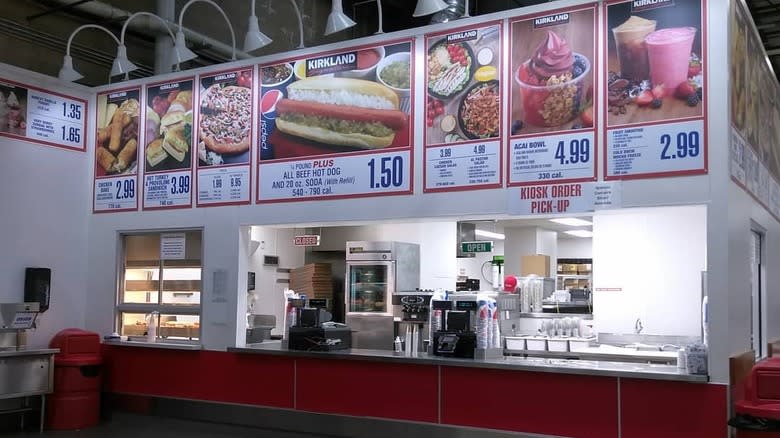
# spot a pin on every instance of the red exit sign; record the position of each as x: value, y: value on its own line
x: 307, y: 240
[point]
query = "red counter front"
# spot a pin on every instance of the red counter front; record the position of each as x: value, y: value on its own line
x: 522, y: 401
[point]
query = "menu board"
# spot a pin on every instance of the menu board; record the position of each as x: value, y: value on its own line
x: 45, y: 117
x: 754, y: 100
x: 655, y: 89
x: 463, y: 108
x: 741, y: 93
x: 224, y: 138
x: 116, y: 150
x: 553, y: 68
x: 168, y: 145
x: 337, y: 124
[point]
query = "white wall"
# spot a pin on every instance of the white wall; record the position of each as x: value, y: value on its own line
x: 522, y: 241
x: 44, y: 220
x: 270, y: 294
x: 438, y: 245
x: 655, y: 256
x: 575, y: 248
x: 472, y: 267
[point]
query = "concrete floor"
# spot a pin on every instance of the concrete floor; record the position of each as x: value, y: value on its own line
x: 124, y: 425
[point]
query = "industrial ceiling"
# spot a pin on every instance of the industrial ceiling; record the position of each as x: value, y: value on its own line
x: 34, y: 33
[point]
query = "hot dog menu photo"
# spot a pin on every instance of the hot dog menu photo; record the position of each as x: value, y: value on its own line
x: 224, y: 137
x: 337, y: 124
x: 553, y: 94
x: 463, y: 108
x: 168, y: 145
x: 116, y: 150
x: 655, y: 89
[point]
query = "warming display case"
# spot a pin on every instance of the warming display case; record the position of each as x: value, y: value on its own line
x: 375, y: 271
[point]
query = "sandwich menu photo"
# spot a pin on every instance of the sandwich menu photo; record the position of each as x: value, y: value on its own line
x: 337, y: 124
x: 168, y: 145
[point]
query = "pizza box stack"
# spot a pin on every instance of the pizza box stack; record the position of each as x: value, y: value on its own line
x: 313, y: 279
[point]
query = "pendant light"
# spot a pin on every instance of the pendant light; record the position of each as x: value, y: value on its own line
x: 122, y: 65
x: 255, y: 39
x: 67, y: 72
x: 180, y: 51
x: 337, y: 19
x: 300, y: 22
x: 428, y: 7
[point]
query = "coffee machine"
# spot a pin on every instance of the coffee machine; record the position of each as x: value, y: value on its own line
x: 313, y: 329
x: 457, y: 337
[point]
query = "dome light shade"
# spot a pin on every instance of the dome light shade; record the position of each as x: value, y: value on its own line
x: 121, y: 64
x: 255, y: 39
x: 180, y: 51
x: 337, y: 19
x: 428, y: 7
x: 67, y: 72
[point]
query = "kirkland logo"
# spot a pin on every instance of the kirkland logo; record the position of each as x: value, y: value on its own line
x: 643, y: 5
x: 551, y: 20
x: 462, y: 36
x: 331, y: 64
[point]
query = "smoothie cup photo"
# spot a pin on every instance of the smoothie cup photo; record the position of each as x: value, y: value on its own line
x: 631, y: 48
x: 669, y: 53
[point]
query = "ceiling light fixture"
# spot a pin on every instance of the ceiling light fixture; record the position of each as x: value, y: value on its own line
x: 428, y: 7
x: 67, y: 72
x: 122, y: 65
x: 572, y: 222
x: 338, y: 20
x: 180, y: 51
x: 580, y: 233
x: 255, y: 39
x: 300, y: 22
x: 489, y: 234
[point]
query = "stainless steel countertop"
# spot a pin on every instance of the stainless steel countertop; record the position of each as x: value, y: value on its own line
x: 28, y: 352
x: 564, y: 366
x: 163, y: 345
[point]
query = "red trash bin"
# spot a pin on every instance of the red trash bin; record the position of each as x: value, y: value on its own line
x: 75, y: 403
x: 759, y: 411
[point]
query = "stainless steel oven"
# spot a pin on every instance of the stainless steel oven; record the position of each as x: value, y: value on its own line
x: 375, y: 271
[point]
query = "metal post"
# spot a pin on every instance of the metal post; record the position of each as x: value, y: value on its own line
x: 166, y: 9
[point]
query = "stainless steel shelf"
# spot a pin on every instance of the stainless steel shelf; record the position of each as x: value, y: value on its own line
x: 554, y: 315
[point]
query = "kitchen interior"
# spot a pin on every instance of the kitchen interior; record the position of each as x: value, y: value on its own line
x: 626, y: 285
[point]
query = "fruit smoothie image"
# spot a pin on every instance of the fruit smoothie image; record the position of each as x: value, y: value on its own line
x: 552, y: 83
x: 669, y: 53
x: 631, y: 49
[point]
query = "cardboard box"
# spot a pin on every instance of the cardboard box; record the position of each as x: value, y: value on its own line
x: 537, y: 264
x: 583, y: 269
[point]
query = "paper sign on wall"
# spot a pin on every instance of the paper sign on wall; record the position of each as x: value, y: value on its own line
x: 172, y: 246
